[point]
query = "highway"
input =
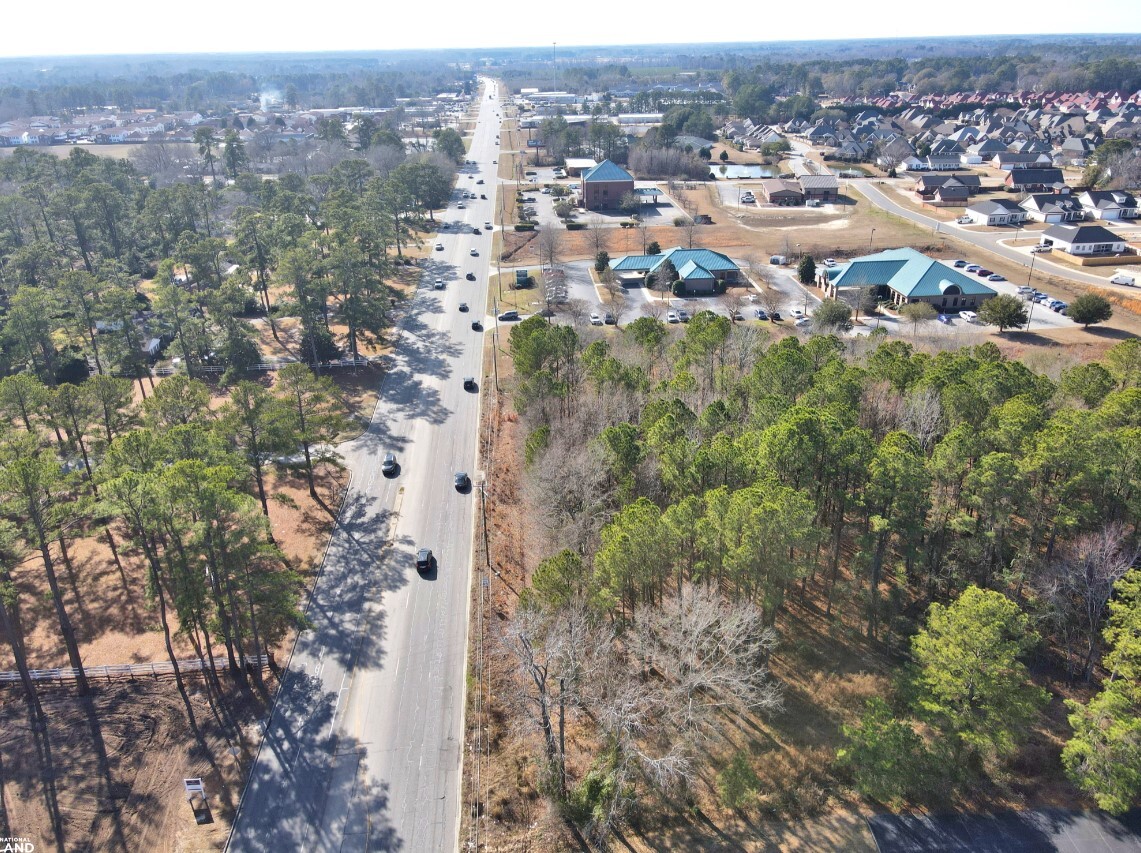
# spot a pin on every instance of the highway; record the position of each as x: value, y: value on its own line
x: 364, y: 746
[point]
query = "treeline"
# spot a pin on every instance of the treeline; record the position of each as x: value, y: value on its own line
x: 172, y: 483
x: 95, y: 262
x: 889, y: 482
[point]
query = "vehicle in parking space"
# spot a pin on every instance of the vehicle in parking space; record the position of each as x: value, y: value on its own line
x: 803, y: 322
x: 1040, y: 248
x: 996, y: 277
x: 474, y: 253
x: 775, y: 316
x: 1050, y: 303
x: 469, y: 383
x: 972, y: 268
x: 683, y: 315
x: 1059, y: 306
x: 760, y: 314
x: 1024, y: 290
x: 1040, y: 298
x: 424, y: 559
x: 575, y: 187
x: 983, y: 272
x: 609, y: 319
x: 388, y: 466
x: 796, y: 313
x: 672, y: 317
x: 959, y: 264
x: 734, y: 314
x: 509, y: 315
x: 439, y: 247
x: 969, y: 316
x: 462, y: 481
x: 545, y: 190
x: 463, y: 306
x: 778, y: 260
x: 439, y: 284
x: 829, y: 262
x: 1122, y: 278
x: 595, y: 318
x: 964, y: 220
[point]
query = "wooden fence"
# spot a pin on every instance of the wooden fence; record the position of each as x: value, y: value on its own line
x: 131, y: 671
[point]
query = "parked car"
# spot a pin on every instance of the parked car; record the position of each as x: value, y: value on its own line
x: 964, y: 220
x: 972, y: 268
x: 760, y: 314
x: 829, y: 262
x: 609, y: 319
x: 775, y: 316
x: 734, y: 314
x: 683, y: 316
x: 595, y: 319
x: 969, y: 316
x: 984, y: 272
x: 509, y: 315
x: 1040, y: 248
x: 796, y: 313
x: 960, y: 264
x: 388, y: 466
x: 424, y: 559
x: 1025, y: 291
x: 996, y: 277
x: 803, y: 322
x: 672, y: 317
x: 1059, y: 306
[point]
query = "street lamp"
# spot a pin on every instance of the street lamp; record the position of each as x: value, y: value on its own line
x: 871, y: 239
x: 1030, y: 296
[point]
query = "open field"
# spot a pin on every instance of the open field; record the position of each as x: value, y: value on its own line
x: 114, y: 150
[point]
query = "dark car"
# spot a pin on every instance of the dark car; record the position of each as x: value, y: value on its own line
x: 476, y: 232
x: 470, y: 276
x: 483, y: 196
x: 463, y: 481
x: 469, y: 383
x: 509, y: 315
x: 463, y: 306
x: 388, y: 466
x: 775, y: 316
x: 476, y: 326
x: 480, y: 181
x: 984, y: 272
x: 424, y: 559
x: 760, y: 314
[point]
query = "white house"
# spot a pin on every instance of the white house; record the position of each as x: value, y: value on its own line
x: 1083, y: 239
x: 1110, y: 204
x: 1000, y: 211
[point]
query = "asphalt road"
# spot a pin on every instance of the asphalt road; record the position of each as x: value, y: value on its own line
x: 987, y: 240
x: 364, y: 746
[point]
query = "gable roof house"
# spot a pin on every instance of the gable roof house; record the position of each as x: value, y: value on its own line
x: 927, y: 186
x: 782, y: 192
x: 943, y: 162
x: 1110, y: 204
x: 1007, y: 160
x: 999, y: 211
x: 604, y: 185
x: 1047, y: 207
x: 1036, y: 180
x: 906, y: 275
x: 820, y: 187
x: 1084, y: 240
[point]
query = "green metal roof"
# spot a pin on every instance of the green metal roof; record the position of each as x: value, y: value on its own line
x: 707, y: 259
x: 607, y: 171
x: 692, y: 270
x: 909, y: 273
x: 635, y: 263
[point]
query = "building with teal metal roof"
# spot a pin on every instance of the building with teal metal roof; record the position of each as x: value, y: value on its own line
x: 699, y: 269
x: 604, y: 185
x: 905, y: 275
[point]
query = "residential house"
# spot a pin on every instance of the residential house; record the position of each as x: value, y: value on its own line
x: 1036, y: 180
x: 1050, y: 208
x: 1110, y: 204
x: 1084, y: 240
x: 906, y: 275
x: 961, y: 186
x: 782, y: 192
x: 1007, y: 160
x: 820, y: 187
x: 604, y: 185
x: 999, y: 211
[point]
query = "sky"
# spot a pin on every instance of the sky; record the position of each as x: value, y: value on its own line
x: 68, y: 27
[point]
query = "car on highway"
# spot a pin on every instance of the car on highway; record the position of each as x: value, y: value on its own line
x: 959, y: 264
x: 672, y: 317
x: 463, y: 306
x: 439, y: 284
x: 996, y: 277
x: 424, y: 559
x: 495, y: 162
x: 388, y: 466
x: 595, y: 318
x: 509, y: 315
x: 760, y: 314
x: 439, y: 247
x: 474, y: 253
x: 462, y: 481
x: 969, y: 316
x: 469, y: 383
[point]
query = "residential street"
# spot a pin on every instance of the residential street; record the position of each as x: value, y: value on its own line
x: 364, y: 747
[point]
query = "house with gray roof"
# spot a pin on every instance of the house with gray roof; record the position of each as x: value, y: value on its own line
x: 1036, y: 180
x: 1084, y: 240
x: 1110, y: 204
x: 1051, y: 208
x: 999, y: 211
x: 906, y: 275
x: 820, y: 187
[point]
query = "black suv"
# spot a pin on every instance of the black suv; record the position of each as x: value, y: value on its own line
x: 424, y: 559
x: 388, y: 466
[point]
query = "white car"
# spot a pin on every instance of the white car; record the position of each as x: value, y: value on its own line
x: 474, y: 253
x: 545, y: 190
x: 595, y: 319
x: 829, y: 262
x: 439, y: 284
x: 969, y: 316
x: 803, y: 322
x: 672, y: 317
x: 488, y: 226
x: 461, y: 205
x: 1122, y: 278
x: 796, y: 313
x: 439, y: 247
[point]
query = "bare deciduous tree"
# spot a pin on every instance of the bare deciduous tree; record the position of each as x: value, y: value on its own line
x: 596, y: 234
x: 577, y: 310
x: 923, y: 416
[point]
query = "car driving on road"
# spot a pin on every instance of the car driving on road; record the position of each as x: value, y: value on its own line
x: 462, y: 481
x: 424, y: 559
x: 388, y: 466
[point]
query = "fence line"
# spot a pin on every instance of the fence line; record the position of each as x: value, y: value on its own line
x: 263, y: 367
x: 159, y: 669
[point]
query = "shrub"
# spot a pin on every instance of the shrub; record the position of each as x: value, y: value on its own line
x: 525, y: 226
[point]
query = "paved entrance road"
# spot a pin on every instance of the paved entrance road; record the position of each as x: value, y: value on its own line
x: 363, y: 749
x: 1039, y: 831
